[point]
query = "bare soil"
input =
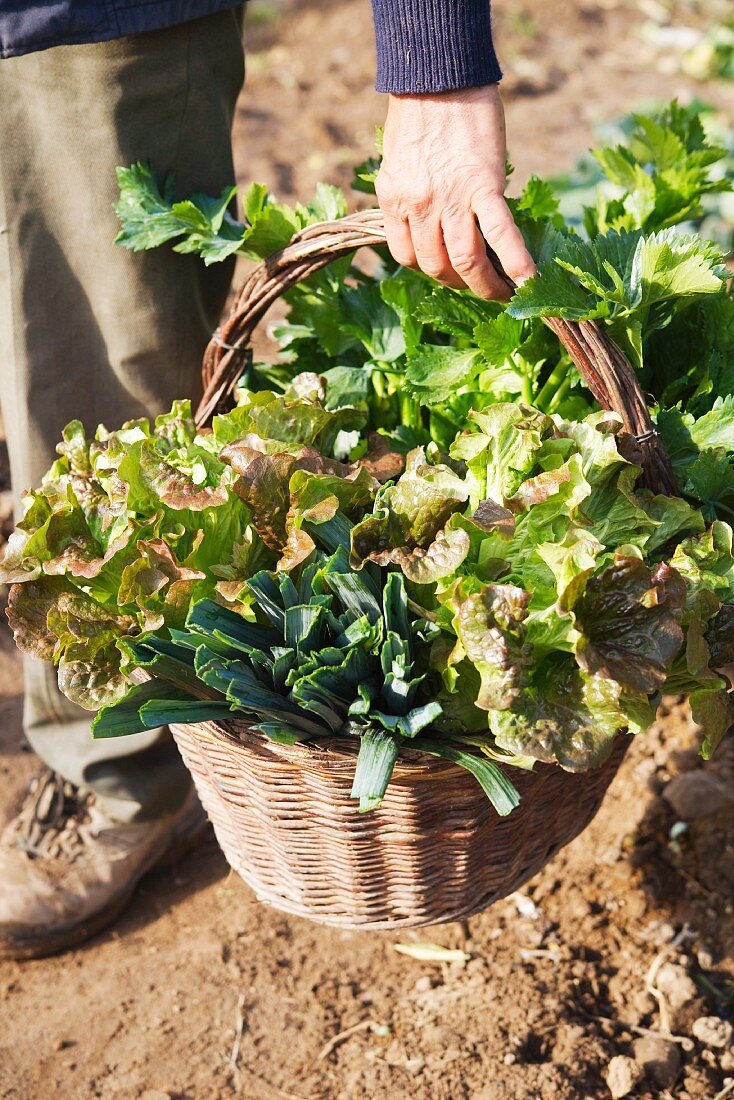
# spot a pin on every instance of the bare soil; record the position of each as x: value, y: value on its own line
x: 200, y: 992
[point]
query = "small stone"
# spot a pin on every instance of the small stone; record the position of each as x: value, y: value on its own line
x: 525, y: 906
x: 394, y: 1054
x: 577, y: 907
x: 697, y: 794
x: 510, y: 1058
x: 676, y: 985
x: 622, y: 1075
x: 643, y: 1003
x: 659, y: 932
x: 726, y: 1060
x: 659, y: 1059
x: 713, y: 1031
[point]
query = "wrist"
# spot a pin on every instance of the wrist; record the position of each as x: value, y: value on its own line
x: 479, y: 94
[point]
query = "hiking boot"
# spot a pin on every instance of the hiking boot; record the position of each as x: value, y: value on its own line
x: 67, y: 870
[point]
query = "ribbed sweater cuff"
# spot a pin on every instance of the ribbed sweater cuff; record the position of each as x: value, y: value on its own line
x: 433, y: 45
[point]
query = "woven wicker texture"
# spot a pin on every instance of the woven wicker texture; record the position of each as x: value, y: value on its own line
x: 435, y: 850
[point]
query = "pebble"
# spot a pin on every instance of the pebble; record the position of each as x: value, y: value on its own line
x: 658, y: 1058
x: 659, y: 932
x: 622, y: 1076
x: 713, y: 1031
x: 643, y: 1003
x: 525, y: 906
x: 675, y: 983
x: 697, y: 794
x: 726, y: 1060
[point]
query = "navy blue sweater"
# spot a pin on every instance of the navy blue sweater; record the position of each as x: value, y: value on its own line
x: 422, y: 45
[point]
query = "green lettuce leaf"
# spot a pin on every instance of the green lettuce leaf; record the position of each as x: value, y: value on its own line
x: 407, y: 527
x: 564, y: 717
x: 500, y: 448
x: 490, y: 632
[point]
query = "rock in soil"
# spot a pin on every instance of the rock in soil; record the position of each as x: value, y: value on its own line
x: 726, y: 1060
x: 659, y: 1059
x: 622, y: 1076
x: 676, y: 984
x: 697, y: 794
x: 713, y: 1031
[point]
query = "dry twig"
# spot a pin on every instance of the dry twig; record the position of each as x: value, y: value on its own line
x: 649, y: 1032
x: 238, y: 1030
x: 661, y: 957
x: 337, y: 1040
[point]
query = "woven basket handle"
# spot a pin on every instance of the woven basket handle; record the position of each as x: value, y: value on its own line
x: 603, y: 366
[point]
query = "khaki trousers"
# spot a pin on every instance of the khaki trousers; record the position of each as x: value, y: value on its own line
x: 89, y: 330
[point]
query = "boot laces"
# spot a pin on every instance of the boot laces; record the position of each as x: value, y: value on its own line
x: 52, y: 819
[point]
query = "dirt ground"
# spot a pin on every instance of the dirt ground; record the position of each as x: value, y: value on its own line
x: 201, y: 993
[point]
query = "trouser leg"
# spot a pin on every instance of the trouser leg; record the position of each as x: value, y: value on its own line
x: 89, y: 330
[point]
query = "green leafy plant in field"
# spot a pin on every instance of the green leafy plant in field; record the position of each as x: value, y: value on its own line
x: 712, y: 57
x: 416, y: 528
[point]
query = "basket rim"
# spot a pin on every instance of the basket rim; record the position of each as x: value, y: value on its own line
x: 333, y: 751
x: 341, y: 752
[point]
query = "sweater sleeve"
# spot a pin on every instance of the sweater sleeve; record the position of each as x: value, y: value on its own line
x: 433, y: 45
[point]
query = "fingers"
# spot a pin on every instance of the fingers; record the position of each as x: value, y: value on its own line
x: 399, y: 240
x: 468, y: 256
x: 431, y: 252
x: 449, y: 246
x: 503, y: 236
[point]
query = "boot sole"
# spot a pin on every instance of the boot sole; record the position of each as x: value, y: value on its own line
x: 78, y: 932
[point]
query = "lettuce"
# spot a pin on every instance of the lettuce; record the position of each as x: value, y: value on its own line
x: 566, y: 618
x: 124, y: 531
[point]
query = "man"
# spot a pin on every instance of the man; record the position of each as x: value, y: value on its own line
x: 89, y: 330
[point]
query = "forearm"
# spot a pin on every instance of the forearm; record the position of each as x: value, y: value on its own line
x: 442, y: 180
x: 428, y: 46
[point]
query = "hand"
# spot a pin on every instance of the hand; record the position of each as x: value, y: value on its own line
x: 441, y: 188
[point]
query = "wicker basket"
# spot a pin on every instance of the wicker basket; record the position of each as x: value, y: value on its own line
x: 435, y: 850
